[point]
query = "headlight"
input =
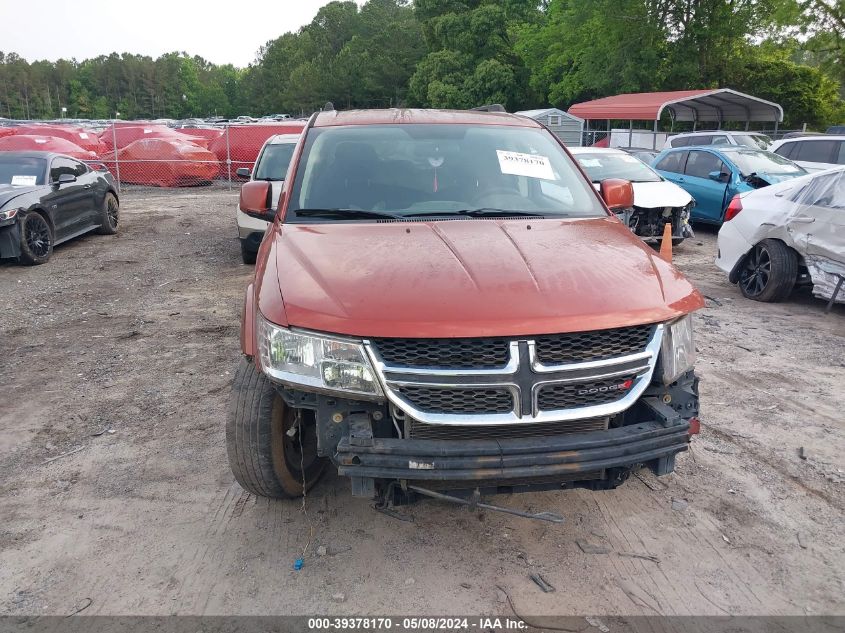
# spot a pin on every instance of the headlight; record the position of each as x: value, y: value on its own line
x: 315, y: 361
x: 677, y: 351
x: 9, y: 214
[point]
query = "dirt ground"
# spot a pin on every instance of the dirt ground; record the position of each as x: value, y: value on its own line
x: 116, y: 360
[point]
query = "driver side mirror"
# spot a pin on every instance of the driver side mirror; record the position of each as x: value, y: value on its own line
x: 65, y: 179
x: 719, y: 176
x: 256, y: 200
x: 617, y: 193
x: 243, y: 172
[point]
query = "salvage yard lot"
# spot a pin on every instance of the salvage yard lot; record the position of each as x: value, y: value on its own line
x: 116, y: 360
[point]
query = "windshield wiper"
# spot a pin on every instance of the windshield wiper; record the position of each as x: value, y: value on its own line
x: 484, y: 212
x: 345, y: 214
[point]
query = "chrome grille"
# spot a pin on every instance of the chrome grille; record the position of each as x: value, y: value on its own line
x: 465, y: 382
x: 419, y: 431
x: 459, y: 400
x: 583, y: 394
x: 589, y: 346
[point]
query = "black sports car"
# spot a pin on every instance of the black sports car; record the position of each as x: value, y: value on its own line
x: 46, y: 199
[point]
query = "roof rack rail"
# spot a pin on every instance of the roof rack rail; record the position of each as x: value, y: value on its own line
x: 491, y: 107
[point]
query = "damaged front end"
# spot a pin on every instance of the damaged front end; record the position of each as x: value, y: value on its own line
x: 649, y: 223
x: 505, y: 415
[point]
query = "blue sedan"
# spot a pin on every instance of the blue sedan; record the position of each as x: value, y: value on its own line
x: 714, y: 176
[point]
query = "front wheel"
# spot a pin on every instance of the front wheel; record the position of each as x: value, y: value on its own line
x: 272, y: 448
x: 36, y: 239
x: 247, y: 254
x: 768, y: 272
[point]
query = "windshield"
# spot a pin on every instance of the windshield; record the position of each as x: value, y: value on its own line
x: 25, y: 172
x: 757, y: 141
x: 601, y: 166
x: 751, y: 162
x: 273, y: 162
x: 363, y: 172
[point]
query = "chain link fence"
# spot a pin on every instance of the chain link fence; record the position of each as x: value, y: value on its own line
x: 142, y: 154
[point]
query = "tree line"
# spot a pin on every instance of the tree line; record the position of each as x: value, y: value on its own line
x: 464, y: 53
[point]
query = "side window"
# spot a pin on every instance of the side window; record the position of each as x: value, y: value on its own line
x: 825, y: 191
x: 719, y: 140
x: 680, y: 142
x: 672, y: 162
x: 700, y: 164
x: 700, y: 139
x: 786, y: 150
x: 63, y: 166
x: 81, y: 169
x: 816, y: 151
x: 840, y: 158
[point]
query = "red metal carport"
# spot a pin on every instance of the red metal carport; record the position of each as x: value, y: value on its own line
x: 710, y: 106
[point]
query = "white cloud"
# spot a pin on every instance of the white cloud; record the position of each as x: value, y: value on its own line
x: 221, y: 32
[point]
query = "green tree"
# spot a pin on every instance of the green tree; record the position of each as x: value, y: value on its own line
x: 472, y: 59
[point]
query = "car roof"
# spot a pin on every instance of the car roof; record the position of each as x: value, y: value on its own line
x: 280, y: 139
x: 720, y: 149
x: 391, y: 116
x: 721, y: 132
x: 33, y: 154
x: 814, y: 137
x: 596, y: 150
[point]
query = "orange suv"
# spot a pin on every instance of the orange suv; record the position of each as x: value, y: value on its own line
x: 444, y: 302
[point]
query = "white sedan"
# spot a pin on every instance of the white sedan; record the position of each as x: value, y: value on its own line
x: 787, y: 234
x: 271, y: 165
x: 657, y: 201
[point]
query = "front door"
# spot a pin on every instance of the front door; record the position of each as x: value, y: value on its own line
x: 71, y: 203
x: 709, y: 194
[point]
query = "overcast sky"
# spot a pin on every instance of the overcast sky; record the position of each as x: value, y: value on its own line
x: 221, y: 32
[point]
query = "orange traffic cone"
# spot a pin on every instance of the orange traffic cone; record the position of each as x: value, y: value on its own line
x: 666, y: 243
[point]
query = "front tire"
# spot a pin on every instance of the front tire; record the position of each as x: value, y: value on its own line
x: 768, y: 272
x: 109, y: 215
x: 36, y: 239
x: 247, y: 254
x: 264, y: 455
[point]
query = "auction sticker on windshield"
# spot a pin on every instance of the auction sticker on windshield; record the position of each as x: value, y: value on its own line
x: 24, y: 181
x: 531, y: 165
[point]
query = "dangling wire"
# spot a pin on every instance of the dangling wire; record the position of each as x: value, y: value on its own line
x: 303, y: 508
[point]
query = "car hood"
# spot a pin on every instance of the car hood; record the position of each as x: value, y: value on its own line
x: 9, y: 193
x: 652, y: 195
x: 774, y: 179
x: 465, y: 278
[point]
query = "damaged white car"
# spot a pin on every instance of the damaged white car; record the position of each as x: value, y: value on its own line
x: 657, y: 201
x: 788, y: 234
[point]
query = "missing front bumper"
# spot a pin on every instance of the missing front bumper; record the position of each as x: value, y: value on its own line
x: 480, y: 461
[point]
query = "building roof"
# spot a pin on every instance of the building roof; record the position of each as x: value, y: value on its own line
x: 533, y: 114
x: 409, y: 115
x: 718, y: 105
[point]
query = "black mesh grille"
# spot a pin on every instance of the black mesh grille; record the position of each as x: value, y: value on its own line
x: 588, y: 346
x: 493, y: 352
x: 456, y: 353
x: 571, y: 395
x: 420, y: 431
x: 459, y: 400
